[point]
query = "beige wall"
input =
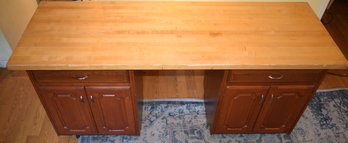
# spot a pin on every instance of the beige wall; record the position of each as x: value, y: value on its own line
x: 14, y: 17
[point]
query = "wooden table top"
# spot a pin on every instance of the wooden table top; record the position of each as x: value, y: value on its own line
x: 175, y: 35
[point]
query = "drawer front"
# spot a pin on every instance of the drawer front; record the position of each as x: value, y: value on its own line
x: 274, y: 75
x: 81, y: 76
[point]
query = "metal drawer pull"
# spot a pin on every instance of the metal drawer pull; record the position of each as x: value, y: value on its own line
x: 270, y: 102
x: 275, y: 77
x: 81, y: 77
x: 261, y: 100
x: 81, y: 99
x: 92, y: 100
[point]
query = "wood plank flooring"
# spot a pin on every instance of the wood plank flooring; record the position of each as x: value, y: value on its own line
x: 22, y: 117
x: 173, y: 84
x: 335, y: 21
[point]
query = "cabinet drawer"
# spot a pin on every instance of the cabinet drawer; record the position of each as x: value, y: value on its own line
x: 81, y: 76
x: 274, y: 75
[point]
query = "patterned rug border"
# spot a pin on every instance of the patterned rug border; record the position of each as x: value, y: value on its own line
x: 331, y: 89
x: 325, y: 120
x: 190, y: 100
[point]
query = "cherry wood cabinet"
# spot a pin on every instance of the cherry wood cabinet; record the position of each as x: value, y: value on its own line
x: 258, y: 101
x: 237, y: 101
x: 283, y: 106
x: 68, y: 108
x: 89, y: 102
x: 113, y: 109
x: 240, y: 106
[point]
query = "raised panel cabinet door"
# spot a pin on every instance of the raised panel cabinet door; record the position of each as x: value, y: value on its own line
x: 238, y: 108
x: 283, y: 107
x: 114, y: 109
x: 68, y: 109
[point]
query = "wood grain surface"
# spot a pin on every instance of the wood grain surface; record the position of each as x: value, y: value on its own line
x: 173, y: 84
x: 175, y: 35
x: 22, y: 116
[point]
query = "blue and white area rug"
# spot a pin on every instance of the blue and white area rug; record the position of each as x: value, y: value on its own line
x: 324, y: 121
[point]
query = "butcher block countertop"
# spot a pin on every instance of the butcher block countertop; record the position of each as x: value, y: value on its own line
x: 175, y: 35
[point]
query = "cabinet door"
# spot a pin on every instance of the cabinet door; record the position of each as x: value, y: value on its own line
x: 113, y: 109
x: 68, y: 109
x: 283, y: 107
x: 238, y: 108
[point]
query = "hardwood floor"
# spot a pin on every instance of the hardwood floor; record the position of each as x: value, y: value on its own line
x: 22, y: 117
x: 173, y: 84
x: 332, y: 82
x: 335, y: 21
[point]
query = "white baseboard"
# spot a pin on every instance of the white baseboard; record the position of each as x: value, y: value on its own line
x: 3, y: 64
x: 323, y: 8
